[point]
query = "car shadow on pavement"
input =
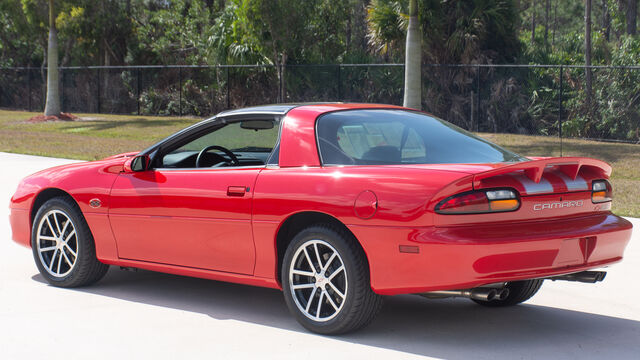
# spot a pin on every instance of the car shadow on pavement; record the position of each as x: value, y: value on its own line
x: 449, y: 328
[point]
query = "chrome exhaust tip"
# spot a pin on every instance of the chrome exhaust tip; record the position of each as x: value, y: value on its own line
x: 502, y: 294
x: 484, y: 294
x: 590, y: 277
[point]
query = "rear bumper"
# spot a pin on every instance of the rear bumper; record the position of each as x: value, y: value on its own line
x: 460, y: 257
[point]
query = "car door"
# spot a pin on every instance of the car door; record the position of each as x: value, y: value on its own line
x: 198, y: 218
x: 190, y: 205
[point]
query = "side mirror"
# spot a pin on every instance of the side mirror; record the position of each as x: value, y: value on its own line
x: 136, y: 164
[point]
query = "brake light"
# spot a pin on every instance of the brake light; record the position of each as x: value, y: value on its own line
x: 478, y: 202
x: 601, y: 191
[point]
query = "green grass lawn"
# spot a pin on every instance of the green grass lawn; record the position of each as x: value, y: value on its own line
x: 96, y: 136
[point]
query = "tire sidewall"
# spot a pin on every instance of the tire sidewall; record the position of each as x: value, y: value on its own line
x: 349, y: 261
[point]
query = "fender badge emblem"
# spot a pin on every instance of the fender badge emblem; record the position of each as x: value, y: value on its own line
x: 95, y: 203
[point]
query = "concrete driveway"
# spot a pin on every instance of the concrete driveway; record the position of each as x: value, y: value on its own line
x: 142, y: 314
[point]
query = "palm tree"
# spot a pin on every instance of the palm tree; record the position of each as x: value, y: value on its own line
x: 412, y: 73
x: 52, y: 107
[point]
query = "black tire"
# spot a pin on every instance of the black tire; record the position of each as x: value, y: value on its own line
x: 85, y: 268
x: 360, y: 304
x: 519, y: 291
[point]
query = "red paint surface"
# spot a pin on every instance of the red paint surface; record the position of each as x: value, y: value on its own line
x: 195, y: 223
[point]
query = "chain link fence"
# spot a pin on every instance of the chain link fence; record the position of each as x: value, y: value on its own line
x: 520, y: 99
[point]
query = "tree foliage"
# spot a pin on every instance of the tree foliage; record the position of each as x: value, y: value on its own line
x: 287, y: 33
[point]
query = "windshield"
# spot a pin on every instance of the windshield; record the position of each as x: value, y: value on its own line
x: 367, y: 137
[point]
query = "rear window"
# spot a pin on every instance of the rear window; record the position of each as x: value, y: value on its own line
x: 378, y: 137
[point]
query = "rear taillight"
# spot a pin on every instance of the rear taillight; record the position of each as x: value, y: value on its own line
x: 477, y: 202
x: 601, y: 191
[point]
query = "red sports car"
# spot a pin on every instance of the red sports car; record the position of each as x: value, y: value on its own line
x: 335, y: 204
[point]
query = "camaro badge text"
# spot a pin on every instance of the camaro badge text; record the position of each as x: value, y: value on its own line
x: 558, y: 205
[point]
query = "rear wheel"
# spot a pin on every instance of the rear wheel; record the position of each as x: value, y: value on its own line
x: 519, y: 291
x: 63, y: 246
x: 325, y: 279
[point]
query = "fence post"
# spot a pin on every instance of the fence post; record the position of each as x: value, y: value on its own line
x: 280, y: 75
x: 339, y: 84
x: 29, y: 88
x: 560, y: 107
x: 478, y: 97
x: 138, y: 89
x: 180, y: 91
x: 61, y: 85
x: 98, y: 88
x: 228, y: 89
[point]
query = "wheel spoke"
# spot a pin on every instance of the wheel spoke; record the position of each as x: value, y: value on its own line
x: 303, y: 286
x: 64, y: 228
x: 66, y: 258
x: 335, y: 289
x: 53, y: 257
x: 315, y: 248
x: 326, y: 266
x: 55, y: 219
x: 338, y: 270
x: 319, y: 305
x: 313, y: 293
x: 48, y: 248
x: 69, y: 236
x: 48, y: 238
x: 59, y: 262
x: 330, y: 299
x: 303, y: 273
x: 70, y: 250
x: 306, y: 255
x: 51, y: 227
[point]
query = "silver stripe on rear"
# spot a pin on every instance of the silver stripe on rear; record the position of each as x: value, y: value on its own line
x: 573, y: 185
x: 531, y: 187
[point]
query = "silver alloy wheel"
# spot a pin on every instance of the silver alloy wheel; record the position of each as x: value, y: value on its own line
x: 318, y: 280
x: 57, y: 243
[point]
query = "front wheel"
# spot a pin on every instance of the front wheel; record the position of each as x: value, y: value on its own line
x: 63, y: 246
x: 519, y: 291
x: 325, y: 279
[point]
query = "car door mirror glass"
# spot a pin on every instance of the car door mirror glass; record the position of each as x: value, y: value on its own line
x: 136, y: 163
x: 139, y: 163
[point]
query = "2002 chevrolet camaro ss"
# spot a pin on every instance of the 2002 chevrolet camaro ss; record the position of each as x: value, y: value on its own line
x: 336, y: 204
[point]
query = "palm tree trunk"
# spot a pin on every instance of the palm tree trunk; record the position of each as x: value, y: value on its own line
x: 52, y: 106
x: 412, y: 69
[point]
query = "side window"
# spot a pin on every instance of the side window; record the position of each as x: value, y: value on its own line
x: 235, y: 137
x: 274, y: 159
x: 241, y: 143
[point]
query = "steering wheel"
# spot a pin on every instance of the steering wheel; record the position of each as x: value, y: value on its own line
x: 234, y: 160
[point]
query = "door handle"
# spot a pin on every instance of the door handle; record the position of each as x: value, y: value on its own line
x: 236, y: 190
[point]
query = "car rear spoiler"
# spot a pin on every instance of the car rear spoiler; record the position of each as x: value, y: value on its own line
x: 534, y: 169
